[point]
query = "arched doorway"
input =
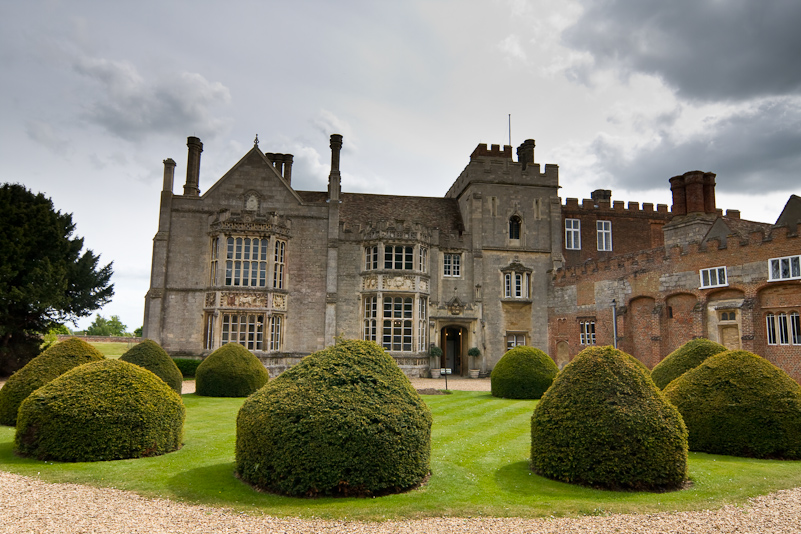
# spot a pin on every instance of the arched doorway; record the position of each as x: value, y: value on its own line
x: 453, y: 340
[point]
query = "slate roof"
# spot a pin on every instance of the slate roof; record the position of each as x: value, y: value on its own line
x: 363, y: 209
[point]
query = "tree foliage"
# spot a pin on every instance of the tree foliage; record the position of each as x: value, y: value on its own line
x: 45, y: 279
x: 107, y: 327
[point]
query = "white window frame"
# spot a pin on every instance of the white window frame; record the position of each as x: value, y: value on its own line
x: 399, y: 257
x: 516, y: 285
x: 397, y: 331
x: 423, y: 264
x: 713, y: 277
x: 370, y: 332
x: 604, y: 229
x: 795, y: 328
x: 276, y: 330
x: 452, y: 264
x: 422, y: 324
x: 515, y: 339
x: 573, y: 234
x: 587, y: 332
x: 784, y: 268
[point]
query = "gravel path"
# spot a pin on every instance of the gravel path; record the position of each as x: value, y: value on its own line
x: 31, y: 506
x: 28, y: 505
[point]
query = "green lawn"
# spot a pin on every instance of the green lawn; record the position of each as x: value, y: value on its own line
x: 112, y: 350
x: 479, y: 464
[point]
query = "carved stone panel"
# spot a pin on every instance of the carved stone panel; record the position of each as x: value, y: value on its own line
x: 243, y: 300
x: 210, y: 298
x: 398, y: 283
x: 279, y: 301
x: 369, y: 283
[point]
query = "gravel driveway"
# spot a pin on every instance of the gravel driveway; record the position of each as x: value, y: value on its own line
x: 28, y: 505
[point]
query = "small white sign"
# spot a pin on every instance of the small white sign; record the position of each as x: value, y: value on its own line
x: 445, y: 371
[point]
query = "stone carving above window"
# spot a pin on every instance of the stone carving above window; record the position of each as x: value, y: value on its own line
x: 252, y: 202
x: 369, y: 283
x: 243, y: 300
x: 398, y: 283
x: 279, y: 301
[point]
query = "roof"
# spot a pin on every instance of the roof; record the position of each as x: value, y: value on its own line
x: 363, y: 209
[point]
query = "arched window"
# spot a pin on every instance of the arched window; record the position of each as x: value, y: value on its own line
x: 514, y: 227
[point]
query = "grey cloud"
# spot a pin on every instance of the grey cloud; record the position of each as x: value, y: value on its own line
x: 44, y: 134
x: 752, y: 151
x: 705, y: 49
x: 131, y: 107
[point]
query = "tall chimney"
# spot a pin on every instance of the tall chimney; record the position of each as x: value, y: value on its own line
x: 288, y: 168
x: 334, y: 178
x: 193, y: 167
x: 679, y: 197
x: 169, y: 174
x: 525, y: 153
x: 709, y: 192
x: 694, y: 191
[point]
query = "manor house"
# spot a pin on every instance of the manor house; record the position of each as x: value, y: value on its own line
x: 497, y: 262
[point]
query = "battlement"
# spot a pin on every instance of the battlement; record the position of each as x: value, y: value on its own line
x: 778, y: 240
x: 481, y: 151
x: 616, y: 206
x: 399, y: 230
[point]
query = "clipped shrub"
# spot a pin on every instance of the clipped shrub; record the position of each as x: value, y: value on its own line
x: 684, y: 358
x: 187, y: 366
x: 740, y: 404
x: 344, y: 421
x: 604, y: 423
x: 230, y: 371
x: 151, y: 356
x: 106, y: 410
x: 50, y: 364
x: 523, y: 373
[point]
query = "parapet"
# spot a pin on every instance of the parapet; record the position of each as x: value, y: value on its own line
x: 481, y: 151
x: 617, y: 207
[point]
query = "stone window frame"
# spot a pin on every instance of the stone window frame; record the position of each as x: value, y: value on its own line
x: 515, y: 339
x: 251, y: 337
x: 515, y: 227
x: 573, y: 234
x: 370, y: 318
x: 711, y: 277
x: 237, y: 247
x: 777, y: 272
x: 604, y: 235
x: 371, y: 257
x: 397, y: 325
x: 394, y: 262
x: 276, y: 340
x: 452, y: 264
x: 279, y: 264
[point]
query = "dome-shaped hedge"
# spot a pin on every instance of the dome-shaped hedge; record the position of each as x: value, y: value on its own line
x: 523, y: 373
x: 151, y: 356
x: 50, y: 364
x: 344, y: 421
x: 739, y: 404
x: 604, y: 423
x: 684, y: 358
x: 105, y: 410
x: 230, y: 371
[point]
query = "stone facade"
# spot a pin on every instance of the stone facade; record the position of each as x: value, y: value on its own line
x: 497, y: 261
x: 284, y: 272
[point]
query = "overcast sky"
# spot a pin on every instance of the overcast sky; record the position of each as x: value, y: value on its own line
x: 621, y: 94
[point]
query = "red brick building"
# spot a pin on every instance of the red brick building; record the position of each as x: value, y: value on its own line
x: 670, y: 276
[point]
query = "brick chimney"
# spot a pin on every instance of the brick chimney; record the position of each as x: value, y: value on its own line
x: 193, y: 167
x: 693, y: 192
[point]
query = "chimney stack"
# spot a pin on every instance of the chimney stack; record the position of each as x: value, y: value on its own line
x: 288, y: 158
x: 169, y: 175
x: 193, y: 167
x: 525, y: 153
x: 693, y: 192
x: 334, y: 178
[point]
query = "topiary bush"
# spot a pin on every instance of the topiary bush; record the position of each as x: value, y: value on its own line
x: 230, y: 371
x: 344, y: 421
x: 151, y: 356
x: 684, y: 358
x: 187, y: 366
x: 604, y: 423
x: 50, y: 364
x: 739, y: 404
x: 106, y: 410
x: 523, y: 373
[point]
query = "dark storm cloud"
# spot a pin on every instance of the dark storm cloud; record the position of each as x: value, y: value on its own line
x: 752, y: 151
x: 130, y: 107
x: 704, y: 49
